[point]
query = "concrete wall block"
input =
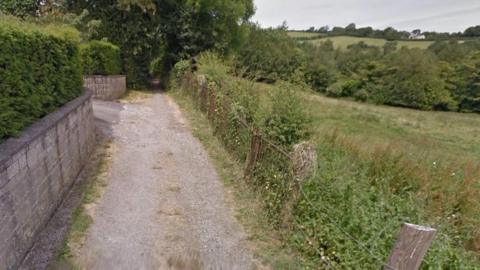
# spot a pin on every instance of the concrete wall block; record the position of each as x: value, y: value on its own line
x: 106, y: 87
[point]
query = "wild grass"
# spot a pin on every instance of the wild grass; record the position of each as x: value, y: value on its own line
x: 424, y: 164
x: 343, y: 42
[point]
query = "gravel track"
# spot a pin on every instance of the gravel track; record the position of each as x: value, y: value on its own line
x: 164, y: 206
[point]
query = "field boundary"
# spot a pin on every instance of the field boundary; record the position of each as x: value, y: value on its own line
x: 218, y: 108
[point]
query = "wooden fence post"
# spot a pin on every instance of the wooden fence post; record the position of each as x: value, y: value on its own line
x: 412, y: 244
x: 252, y: 156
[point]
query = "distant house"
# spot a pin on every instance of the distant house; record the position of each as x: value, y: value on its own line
x: 416, y: 35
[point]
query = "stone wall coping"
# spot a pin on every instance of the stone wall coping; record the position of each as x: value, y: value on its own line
x: 105, y: 76
x: 14, y: 145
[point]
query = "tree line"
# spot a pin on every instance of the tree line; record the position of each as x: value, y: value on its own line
x: 446, y: 76
x: 391, y: 33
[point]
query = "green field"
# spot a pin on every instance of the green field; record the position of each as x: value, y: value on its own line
x: 443, y: 135
x: 343, y: 41
x: 296, y: 34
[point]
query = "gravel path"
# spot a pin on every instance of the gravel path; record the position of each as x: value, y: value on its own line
x: 164, y: 206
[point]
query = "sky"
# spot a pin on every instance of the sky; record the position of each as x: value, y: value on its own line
x: 427, y: 15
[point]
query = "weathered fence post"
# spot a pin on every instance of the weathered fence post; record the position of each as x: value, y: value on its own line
x: 252, y: 155
x: 412, y: 244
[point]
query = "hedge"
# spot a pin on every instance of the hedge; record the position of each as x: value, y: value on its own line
x: 39, y: 72
x: 100, y: 58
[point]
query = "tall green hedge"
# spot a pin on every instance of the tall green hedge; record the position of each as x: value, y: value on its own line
x: 100, y: 58
x: 39, y: 72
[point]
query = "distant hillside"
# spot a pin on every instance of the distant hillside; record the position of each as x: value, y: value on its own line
x: 304, y: 35
x: 343, y: 41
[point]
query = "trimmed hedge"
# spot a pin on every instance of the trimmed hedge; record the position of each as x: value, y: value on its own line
x: 100, y: 58
x: 39, y: 72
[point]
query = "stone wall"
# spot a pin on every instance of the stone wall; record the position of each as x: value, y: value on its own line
x: 37, y: 170
x: 106, y: 87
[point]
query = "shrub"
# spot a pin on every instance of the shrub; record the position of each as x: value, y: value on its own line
x: 288, y: 122
x: 269, y: 55
x: 100, y: 58
x: 179, y: 70
x: 39, y: 71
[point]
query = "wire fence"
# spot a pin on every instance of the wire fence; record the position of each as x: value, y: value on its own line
x: 263, y: 158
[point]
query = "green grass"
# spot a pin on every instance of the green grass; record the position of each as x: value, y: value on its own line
x: 444, y: 135
x: 295, y: 34
x: 424, y: 164
x: 343, y: 41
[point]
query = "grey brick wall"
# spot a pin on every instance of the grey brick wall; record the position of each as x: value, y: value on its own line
x: 37, y: 170
x: 106, y: 87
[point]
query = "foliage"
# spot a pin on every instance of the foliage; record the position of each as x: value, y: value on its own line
x: 179, y: 71
x: 39, y: 71
x: 352, y: 210
x: 288, y: 122
x: 100, y: 58
x: 389, y: 33
x: 165, y: 31
x: 320, y: 68
x: 269, y: 55
x: 473, y: 31
x: 20, y: 8
x: 467, y: 91
x: 414, y: 81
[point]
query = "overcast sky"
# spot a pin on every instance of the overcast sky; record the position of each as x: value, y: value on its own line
x: 433, y: 15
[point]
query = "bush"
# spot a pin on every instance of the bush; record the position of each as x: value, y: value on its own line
x: 288, y: 122
x: 269, y: 55
x: 100, y: 58
x: 39, y: 72
x: 179, y: 71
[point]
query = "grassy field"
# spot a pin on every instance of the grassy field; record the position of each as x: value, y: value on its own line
x: 343, y: 41
x: 296, y: 34
x: 445, y: 135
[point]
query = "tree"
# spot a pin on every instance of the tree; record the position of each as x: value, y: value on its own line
x: 350, y: 29
x: 468, y: 84
x: 416, y: 81
x: 269, y: 55
x: 473, y: 31
x: 417, y: 32
x: 390, y: 33
x: 20, y: 8
x: 320, y: 68
x: 168, y: 30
